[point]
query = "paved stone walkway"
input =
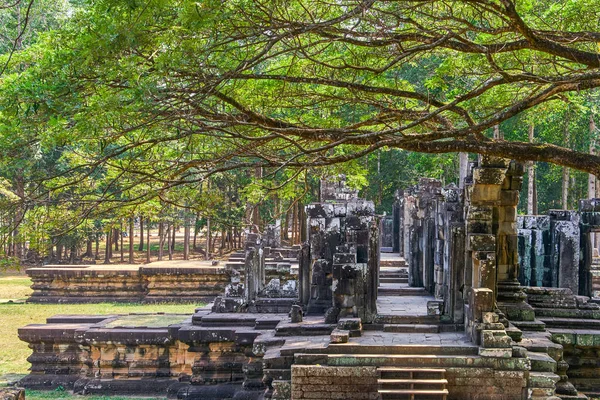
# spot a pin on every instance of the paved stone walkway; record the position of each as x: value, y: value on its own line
x: 403, y: 305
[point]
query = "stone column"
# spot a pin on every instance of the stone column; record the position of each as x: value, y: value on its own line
x: 511, y: 299
x: 564, y: 225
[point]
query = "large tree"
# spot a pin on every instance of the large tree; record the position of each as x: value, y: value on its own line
x: 131, y: 87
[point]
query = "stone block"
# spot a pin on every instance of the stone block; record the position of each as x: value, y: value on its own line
x: 495, y: 352
x: 488, y: 176
x: 340, y: 336
x: 320, y: 210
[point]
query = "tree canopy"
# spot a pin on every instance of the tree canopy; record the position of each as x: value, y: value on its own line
x: 112, y: 104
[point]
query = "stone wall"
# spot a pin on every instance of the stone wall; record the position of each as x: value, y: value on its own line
x: 343, y: 383
x: 555, y: 250
x: 486, y: 383
x: 187, y: 281
x: 197, y: 357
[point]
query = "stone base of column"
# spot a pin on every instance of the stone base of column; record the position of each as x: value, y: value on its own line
x: 511, y: 300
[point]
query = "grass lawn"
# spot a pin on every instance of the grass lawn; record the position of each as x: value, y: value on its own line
x: 14, y: 353
x: 58, y: 394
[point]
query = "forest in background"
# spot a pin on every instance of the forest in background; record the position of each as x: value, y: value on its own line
x: 101, y: 129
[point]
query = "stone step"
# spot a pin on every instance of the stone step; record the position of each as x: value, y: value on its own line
x: 407, y: 319
x: 431, y: 384
x: 401, y: 291
x: 536, y: 325
x: 417, y: 360
x: 393, y: 263
x: 413, y: 394
x: 408, y: 349
x: 393, y: 280
x: 570, y: 323
x: 411, y: 373
x: 411, y: 328
x: 541, y: 313
x: 304, y: 329
x: 541, y: 362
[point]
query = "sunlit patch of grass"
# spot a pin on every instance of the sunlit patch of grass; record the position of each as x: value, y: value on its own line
x: 14, y: 353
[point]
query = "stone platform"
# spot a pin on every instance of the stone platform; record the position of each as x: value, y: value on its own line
x: 209, y: 355
x: 163, y: 281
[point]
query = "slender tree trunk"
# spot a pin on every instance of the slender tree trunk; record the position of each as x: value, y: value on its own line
x: 148, y: 242
x: 89, y: 251
x: 168, y: 238
x: 208, y: 239
x: 498, y: 134
x: 107, y: 248
x: 186, y: 237
x: 131, y: 240
x: 593, y: 185
x: 463, y: 166
x: 171, y: 241
x: 591, y: 177
x: 59, y: 248
x: 194, y: 245
x: 531, y: 206
x: 97, y: 255
x: 141, y: 246
x: 565, y: 171
x: 161, y: 234
x: 121, y: 240
x: 173, y: 238
x: 116, y: 238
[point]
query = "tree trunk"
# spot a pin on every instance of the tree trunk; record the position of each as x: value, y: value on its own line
x: 89, y: 251
x: 173, y: 238
x: 141, y: 246
x: 531, y: 206
x: 565, y: 171
x: 169, y: 242
x: 97, y: 255
x: 121, y: 240
x: 463, y: 166
x: 498, y: 135
x: 161, y: 234
x: 131, y: 241
x: 591, y: 177
x: 116, y: 238
x: 148, y: 242
x: 186, y: 237
x: 195, y: 243
x: 107, y: 248
x: 208, y: 239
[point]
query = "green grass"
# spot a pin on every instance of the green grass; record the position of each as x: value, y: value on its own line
x: 60, y: 394
x: 14, y: 353
x: 14, y: 287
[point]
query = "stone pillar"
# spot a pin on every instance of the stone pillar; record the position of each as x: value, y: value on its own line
x: 589, y: 266
x: 304, y: 274
x: 564, y: 225
x: 397, y: 214
x: 511, y: 299
x: 254, y: 273
x: 454, y: 254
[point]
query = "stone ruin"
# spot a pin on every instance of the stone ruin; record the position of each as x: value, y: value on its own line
x: 445, y: 315
x: 556, y: 250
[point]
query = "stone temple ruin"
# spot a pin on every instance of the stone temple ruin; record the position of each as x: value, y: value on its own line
x: 453, y: 296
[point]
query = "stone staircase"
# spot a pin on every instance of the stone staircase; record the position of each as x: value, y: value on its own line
x: 407, y: 323
x: 396, y: 383
x: 393, y: 275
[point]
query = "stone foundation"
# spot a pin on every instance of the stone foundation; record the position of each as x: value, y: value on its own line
x: 173, y: 281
